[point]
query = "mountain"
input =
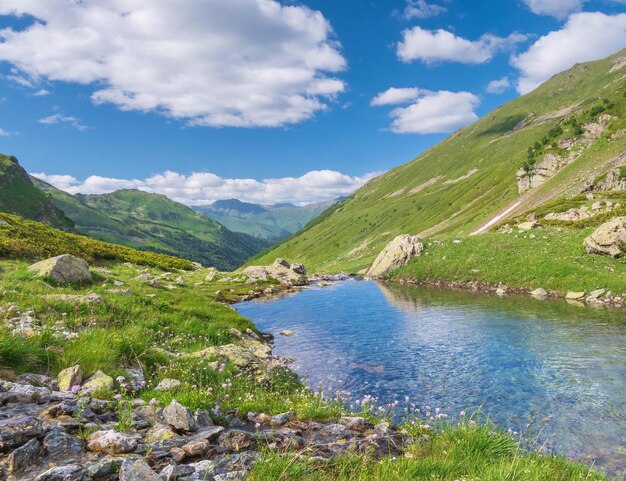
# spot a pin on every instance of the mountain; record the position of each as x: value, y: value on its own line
x: 544, y: 146
x: 19, y: 196
x: 270, y: 222
x: 155, y: 223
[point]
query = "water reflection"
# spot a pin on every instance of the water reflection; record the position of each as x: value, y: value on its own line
x: 545, y: 363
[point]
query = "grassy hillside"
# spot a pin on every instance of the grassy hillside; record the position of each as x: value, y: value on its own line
x: 271, y: 222
x: 155, y: 223
x: 19, y: 196
x: 22, y: 238
x: 462, y: 183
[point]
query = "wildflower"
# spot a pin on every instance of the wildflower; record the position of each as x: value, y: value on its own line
x: 153, y: 402
x: 120, y: 379
x: 472, y: 423
x: 75, y: 308
x: 117, y: 397
x: 257, y: 425
x: 462, y: 413
x: 4, y: 293
x: 75, y: 389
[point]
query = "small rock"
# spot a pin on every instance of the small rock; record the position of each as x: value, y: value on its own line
x: 236, y: 440
x: 287, y: 333
x: 526, y: 226
x: 356, y: 423
x: 160, y: 434
x: 210, y: 433
x: 71, y: 472
x: 67, y: 378
x: 168, y: 385
x: 203, y: 469
x: 104, y: 468
x: 38, y: 380
x: 137, y: 470
x: 282, y: 419
x: 98, y: 383
x: 174, y: 472
x: 539, y: 293
x: 500, y: 292
x: 196, y: 449
x: 203, y: 418
x: 179, y: 417
x: 59, y: 444
x: 597, y: 293
x: 111, y: 442
x: 575, y: 296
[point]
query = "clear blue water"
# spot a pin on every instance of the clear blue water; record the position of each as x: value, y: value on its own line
x: 560, y: 368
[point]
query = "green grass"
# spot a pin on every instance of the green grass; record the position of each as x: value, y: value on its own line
x: 461, y: 183
x: 554, y: 259
x: 21, y: 238
x: 456, y: 453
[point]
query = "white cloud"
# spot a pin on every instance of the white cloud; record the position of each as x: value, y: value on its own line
x: 435, y: 113
x: 41, y: 93
x: 422, y: 9
x: 202, y: 188
x: 498, y: 86
x: 394, y: 96
x: 4, y: 133
x: 63, y: 119
x: 586, y: 36
x: 555, y: 8
x: 431, y: 46
x: 240, y: 63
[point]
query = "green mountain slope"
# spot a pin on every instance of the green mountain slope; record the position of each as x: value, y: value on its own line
x: 155, y: 223
x: 19, y: 196
x: 272, y: 222
x: 469, y: 181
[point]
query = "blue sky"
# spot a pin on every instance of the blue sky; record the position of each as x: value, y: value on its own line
x: 104, y: 94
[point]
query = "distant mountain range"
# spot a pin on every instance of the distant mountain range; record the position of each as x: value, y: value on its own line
x: 269, y: 222
x: 132, y: 218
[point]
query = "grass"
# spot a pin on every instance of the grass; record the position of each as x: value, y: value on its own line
x: 455, y: 453
x: 461, y: 183
x: 22, y: 238
x: 553, y: 258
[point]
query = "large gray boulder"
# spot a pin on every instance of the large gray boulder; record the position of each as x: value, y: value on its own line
x: 608, y: 239
x: 64, y: 269
x: 397, y: 254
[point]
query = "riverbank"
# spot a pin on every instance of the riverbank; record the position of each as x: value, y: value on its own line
x: 174, y: 381
x: 552, y: 259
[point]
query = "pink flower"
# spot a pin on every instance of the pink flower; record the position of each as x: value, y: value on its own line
x: 462, y: 413
x: 257, y: 425
x: 75, y: 389
x: 153, y: 402
x: 117, y: 397
x: 75, y: 308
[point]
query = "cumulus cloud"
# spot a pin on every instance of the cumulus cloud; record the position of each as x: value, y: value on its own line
x: 394, y: 96
x: 241, y: 63
x: 203, y: 188
x: 422, y: 9
x: 434, y: 112
x: 586, y: 36
x: 498, y: 86
x: 431, y: 46
x: 63, y: 119
x: 555, y: 8
x: 41, y: 93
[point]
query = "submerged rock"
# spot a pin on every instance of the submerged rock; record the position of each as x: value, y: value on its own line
x: 64, y: 269
x: 396, y: 254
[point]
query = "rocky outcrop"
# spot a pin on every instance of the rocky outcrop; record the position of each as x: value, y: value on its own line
x: 64, y: 269
x: 287, y: 274
x: 395, y: 255
x: 608, y: 239
x: 612, y: 181
x: 545, y: 169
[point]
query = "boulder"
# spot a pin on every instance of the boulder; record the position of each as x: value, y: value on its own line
x: 526, y: 226
x: 395, y: 255
x: 179, y: 417
x: 98, y: 383
x: 539, y: 293
x: 64, y: 269
x: 18, y: 430
x: 111, y: 442
x: 287, y: 333
x: 71, y: 472
x: 59, y: 444
x: 608, y: 239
